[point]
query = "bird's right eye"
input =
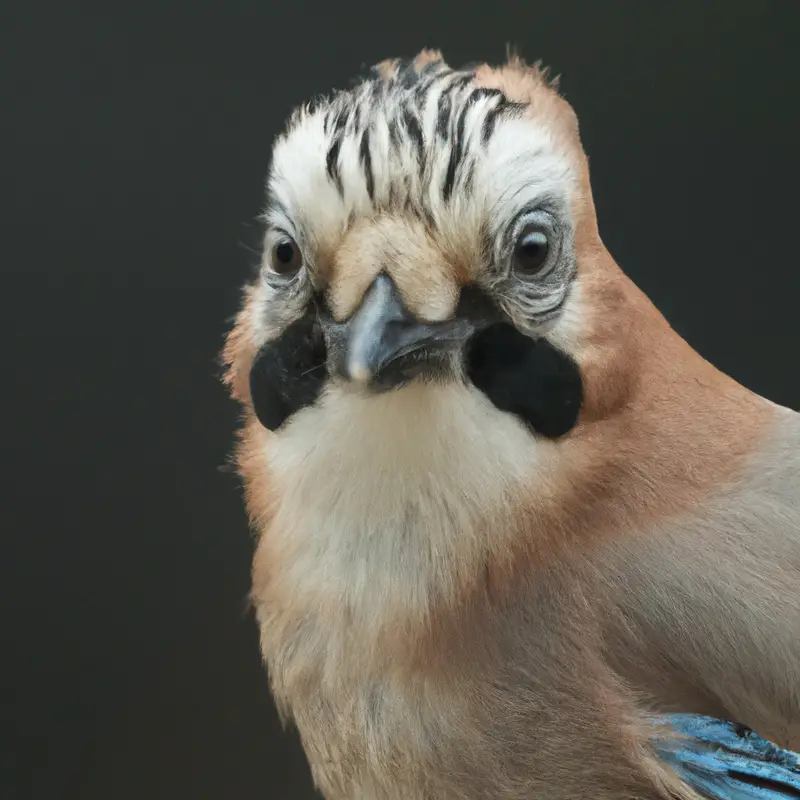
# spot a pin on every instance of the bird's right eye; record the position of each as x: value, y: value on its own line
x: 285, y: 257
x: 531, y: 252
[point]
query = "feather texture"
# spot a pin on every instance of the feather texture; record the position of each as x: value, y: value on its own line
x: 725, y: 761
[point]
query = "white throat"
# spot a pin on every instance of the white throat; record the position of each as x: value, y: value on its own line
x: 387, y: 500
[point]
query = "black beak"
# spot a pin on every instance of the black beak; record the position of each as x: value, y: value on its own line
x: 383, y: 345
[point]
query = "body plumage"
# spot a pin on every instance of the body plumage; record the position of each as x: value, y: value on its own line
x: 464, y: 587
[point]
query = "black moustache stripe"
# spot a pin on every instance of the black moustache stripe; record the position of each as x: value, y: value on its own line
x: 528, y: 378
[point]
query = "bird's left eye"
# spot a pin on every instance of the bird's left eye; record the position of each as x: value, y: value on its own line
x: 531, y: 251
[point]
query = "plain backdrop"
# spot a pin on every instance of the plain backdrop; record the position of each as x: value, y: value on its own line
x: 135, y: 141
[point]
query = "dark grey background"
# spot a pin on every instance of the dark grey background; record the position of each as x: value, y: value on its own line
x: 135, y: 140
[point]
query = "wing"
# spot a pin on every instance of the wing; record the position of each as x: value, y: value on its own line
x: 725, y: 761
x: 705, y: 607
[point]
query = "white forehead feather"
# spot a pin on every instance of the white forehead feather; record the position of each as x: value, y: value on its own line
x: 363, y: 150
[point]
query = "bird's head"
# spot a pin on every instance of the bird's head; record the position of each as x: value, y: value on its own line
x: 429, y: 226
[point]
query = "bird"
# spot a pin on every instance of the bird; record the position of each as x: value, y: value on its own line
x: 513, y: 536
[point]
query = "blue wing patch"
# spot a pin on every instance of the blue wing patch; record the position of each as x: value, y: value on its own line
x: 724, y: 761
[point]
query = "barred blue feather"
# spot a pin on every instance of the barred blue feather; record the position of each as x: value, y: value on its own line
x: 725, y: 761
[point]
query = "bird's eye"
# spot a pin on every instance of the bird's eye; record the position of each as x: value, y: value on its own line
x: 531, y: 251
x: 285, y: 258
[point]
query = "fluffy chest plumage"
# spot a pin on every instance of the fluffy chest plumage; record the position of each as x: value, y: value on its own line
x: 399, y: 498
x: 376, y: 526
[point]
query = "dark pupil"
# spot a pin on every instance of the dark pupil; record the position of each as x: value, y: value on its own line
x: 532, y: 252
x: 284, y: 252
